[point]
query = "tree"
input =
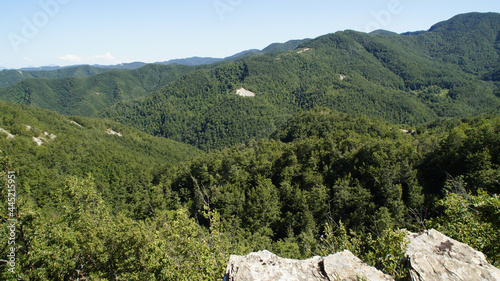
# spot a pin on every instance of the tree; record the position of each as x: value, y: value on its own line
x: 470, y: 219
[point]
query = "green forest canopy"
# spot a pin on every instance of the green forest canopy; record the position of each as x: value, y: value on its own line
x: 324, y: 181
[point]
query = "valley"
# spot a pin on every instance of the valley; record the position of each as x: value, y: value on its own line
x: 304, y: 148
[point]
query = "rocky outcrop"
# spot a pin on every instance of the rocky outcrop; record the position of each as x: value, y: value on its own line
x: 432, y: 257
x: 9, y: 135
x: 111, y: 132
x: 244, y: 93
x: 266, y: 266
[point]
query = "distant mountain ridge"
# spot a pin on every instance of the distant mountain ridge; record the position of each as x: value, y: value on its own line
x: 193, y: 61
x: 382, y: 32
x: 11, y: 76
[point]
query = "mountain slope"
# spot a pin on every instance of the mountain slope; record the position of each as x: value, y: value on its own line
x: 86, y: 96
x: 468, y: 40
x: 45, y: 148
x: 398, y: 78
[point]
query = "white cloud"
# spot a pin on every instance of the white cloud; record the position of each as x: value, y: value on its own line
x: 27, y: 59
x: 106, y: 57
x: 72, y: 58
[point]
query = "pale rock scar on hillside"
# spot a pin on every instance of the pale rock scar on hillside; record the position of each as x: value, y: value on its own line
x: 111, y: 132
x: 244, y: 93
x: 9, y: 135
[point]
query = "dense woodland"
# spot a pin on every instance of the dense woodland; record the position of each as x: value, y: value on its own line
x: 351, y: 140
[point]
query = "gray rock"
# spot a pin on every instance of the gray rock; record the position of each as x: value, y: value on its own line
x: 265, y: 265
x: 346, y: 266
x: 434, y: 256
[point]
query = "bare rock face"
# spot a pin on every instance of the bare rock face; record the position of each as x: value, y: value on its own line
x: 266, y: 266
x: 434, y: 256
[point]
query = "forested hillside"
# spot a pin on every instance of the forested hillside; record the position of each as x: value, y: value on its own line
x: 89, y: 95
x: 408, y: 79
x: 45, y: 148
x: 104, y: 206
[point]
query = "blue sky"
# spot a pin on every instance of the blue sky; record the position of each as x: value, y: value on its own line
x: 68, y: 32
